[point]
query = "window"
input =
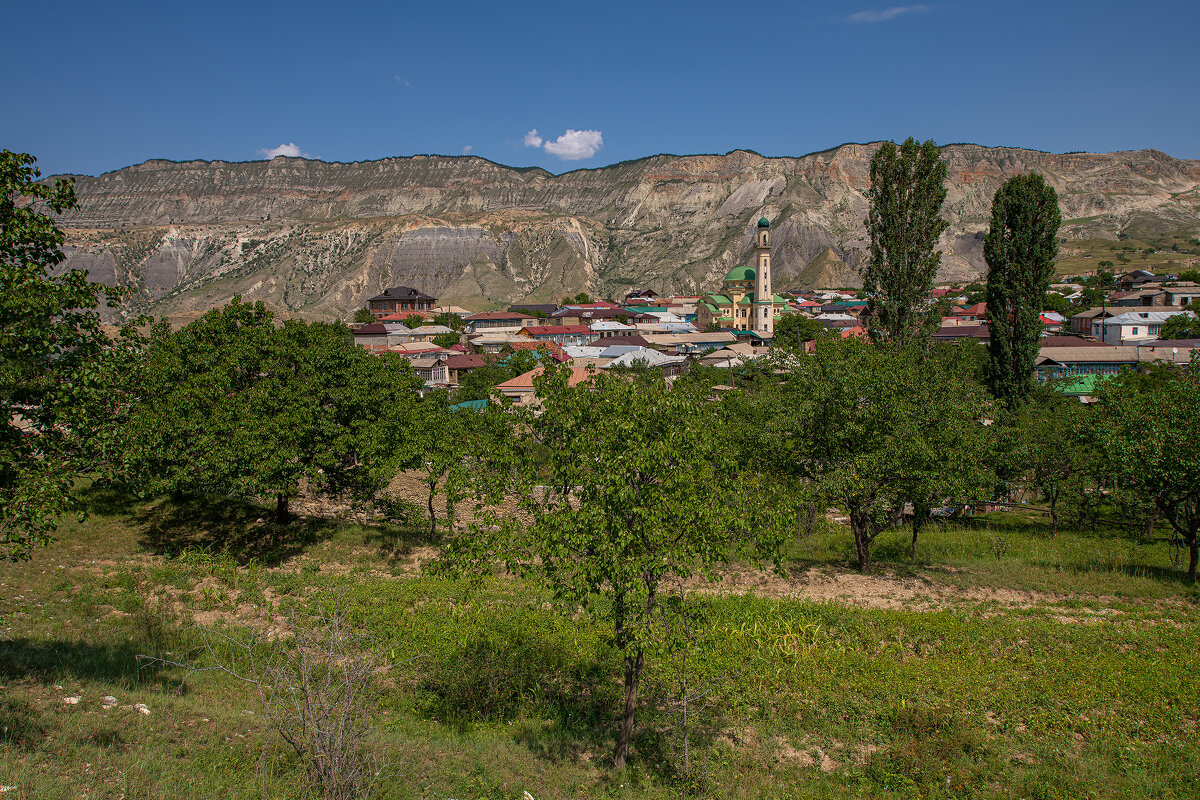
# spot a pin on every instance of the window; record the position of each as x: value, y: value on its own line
x: 1135, y: 330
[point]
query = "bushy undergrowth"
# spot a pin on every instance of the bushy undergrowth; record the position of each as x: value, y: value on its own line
x: 1087, y: 691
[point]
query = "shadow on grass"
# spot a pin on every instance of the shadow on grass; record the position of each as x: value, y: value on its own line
x: 52, y: 660
x: 243, y: 530
x: 396, y: 542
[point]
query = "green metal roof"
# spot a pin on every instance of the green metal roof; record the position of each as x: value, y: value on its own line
x: 719, y: 299
x: 779, y: 299
x: 763, y: 222
x: 740, y: 274
x: 470, y: 405
x: 1077, y: 384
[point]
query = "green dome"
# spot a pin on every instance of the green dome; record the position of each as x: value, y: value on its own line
x: 763, y: 222
x: 740, y: 274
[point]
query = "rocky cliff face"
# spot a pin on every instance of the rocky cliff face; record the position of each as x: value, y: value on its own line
x: 315, y: 239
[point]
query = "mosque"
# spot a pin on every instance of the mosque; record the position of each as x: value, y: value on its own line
x: 746, y: 302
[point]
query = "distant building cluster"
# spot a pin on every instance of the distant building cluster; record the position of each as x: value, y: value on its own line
x: 735, y: 324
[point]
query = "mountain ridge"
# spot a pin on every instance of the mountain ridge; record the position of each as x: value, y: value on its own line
x: 315, y: 238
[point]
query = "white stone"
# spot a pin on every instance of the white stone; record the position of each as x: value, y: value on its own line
x: 141, y: 708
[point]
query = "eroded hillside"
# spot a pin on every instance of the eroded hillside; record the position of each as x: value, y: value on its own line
x: 315, y: 239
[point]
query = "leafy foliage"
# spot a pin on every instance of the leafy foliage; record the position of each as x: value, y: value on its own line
x: 1180, y: 326
x: 792, y: 330
x: 1151, y: 438
x: 626, y: 482
x: 903, y: 223
x: 873, y: 429
x: 1020, y: 249
x: 50, y: 331
x: 232, y: 405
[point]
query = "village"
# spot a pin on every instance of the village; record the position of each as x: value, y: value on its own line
x: 736, y: 324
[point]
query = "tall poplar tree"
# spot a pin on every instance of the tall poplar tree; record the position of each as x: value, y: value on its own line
x: 908, y: 187
x: 1020, y: 249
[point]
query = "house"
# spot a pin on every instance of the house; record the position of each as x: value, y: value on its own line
x: 560, y: 334
x: 643, y: 297
x: 400, y: 298
x: 498, y: 321
x: 520, y: 390
x: 606, y: 328
x: 1135, y: 279
x: 462, y: 364
x: 688, y: 343
x: 671, y: 367
x: 1081, y: 323
x: 374, y: 337
x: 1102, y: 360
x: 576, y: 315
x: 953, y: 331
x: 1132, y: 326
x: 975, y: 313
x: 427, y: 333
x: 555, y: 350
x: 432, y: 370
x: 535, y: 309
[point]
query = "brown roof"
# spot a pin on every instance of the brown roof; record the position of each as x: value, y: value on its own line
x: 465, y: 361
x: 1105, y: 353
x: 371, y: 329
x: 555, y: 330
x: 498, y: 315
x: 524, y: 383
x: 1069, y: 341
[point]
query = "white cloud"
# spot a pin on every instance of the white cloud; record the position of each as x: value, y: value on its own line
x: 885, y: 14
x: 403, y: 82
x: 291, y: 149
x: 468, y: 149
x: 574, y: 145
x: 532, y: 139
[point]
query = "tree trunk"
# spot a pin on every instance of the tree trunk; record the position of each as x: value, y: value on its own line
x: 177, y: 495
x: 432, y: 513
x: 916, y: 529
x: 633, y: 673
x: 1193, y: 556
x: 1152, y: 522
x: 281, y: 508
x: 1053, y: 516
x: 862, y: 543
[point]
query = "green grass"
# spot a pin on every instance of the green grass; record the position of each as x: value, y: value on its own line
x: 1085, y: 686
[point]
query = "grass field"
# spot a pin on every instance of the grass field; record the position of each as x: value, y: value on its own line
x: 1001, y: 663
x: 1083, y: 256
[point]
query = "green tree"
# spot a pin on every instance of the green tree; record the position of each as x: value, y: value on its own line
x: 1180, y: 326
x: 50, y: 334
x: 793, y: 330
x: 230, y: 405
x: 633, y: 484
x: 413, y: 321
x: 447, y: 340
x: 1060, y: 450
x: 1020, y: 249
x: 872, y: 429
x: 1151, y: 436
x: 1053, y: 301
x: 363, y: 316
x: 452, y: 321
x: 908, y: 187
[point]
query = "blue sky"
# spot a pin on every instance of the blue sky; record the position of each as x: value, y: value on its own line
x: 98, y: 86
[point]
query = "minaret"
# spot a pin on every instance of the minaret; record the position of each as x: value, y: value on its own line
x: 763, y: 308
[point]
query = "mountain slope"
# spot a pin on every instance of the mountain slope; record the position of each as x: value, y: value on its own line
x: 315, y: 239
